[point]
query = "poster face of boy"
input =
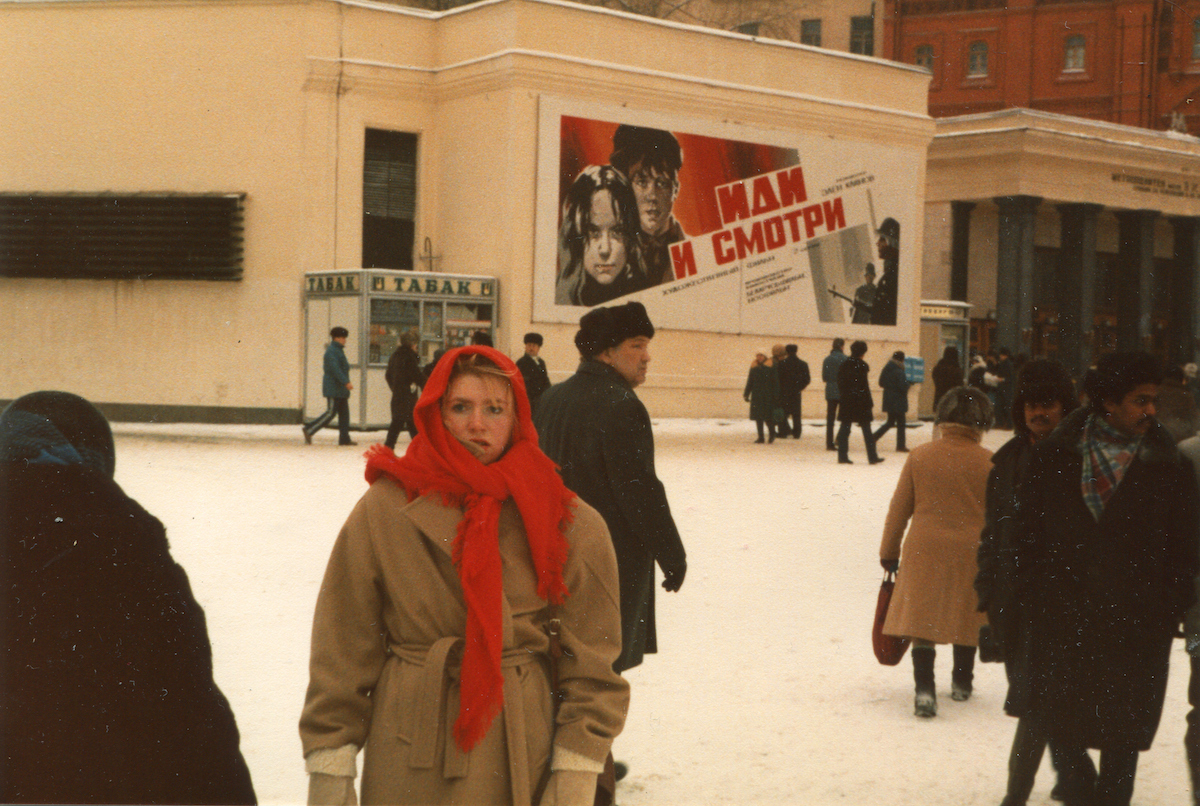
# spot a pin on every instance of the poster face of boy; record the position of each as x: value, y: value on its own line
x: 655, y: 192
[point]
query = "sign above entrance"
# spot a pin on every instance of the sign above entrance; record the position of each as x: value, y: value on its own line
x: 400, y: 282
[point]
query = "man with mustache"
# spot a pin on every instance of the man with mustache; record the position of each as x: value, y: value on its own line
x: 1105, y: 559
x: 1045, y: 395
x: 651, y: 159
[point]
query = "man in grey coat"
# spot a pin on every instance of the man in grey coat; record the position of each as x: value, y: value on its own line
x: 829, y: 374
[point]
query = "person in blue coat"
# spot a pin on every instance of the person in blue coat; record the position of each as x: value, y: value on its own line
x: 336, y: 387
x: 894, y: 383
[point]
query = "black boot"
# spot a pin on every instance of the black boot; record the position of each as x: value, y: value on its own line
x: 964, y: 672
x: 925, y: 702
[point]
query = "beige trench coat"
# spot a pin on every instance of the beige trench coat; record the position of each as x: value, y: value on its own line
x: 942, y: 488
x: 387, y: 643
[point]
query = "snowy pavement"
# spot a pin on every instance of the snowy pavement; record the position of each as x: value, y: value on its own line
x: 764, y: 691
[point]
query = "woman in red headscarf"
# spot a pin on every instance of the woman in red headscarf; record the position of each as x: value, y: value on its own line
x: 429, y: 645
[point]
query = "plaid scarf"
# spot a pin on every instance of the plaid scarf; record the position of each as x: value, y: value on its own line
x: 1107, y: 454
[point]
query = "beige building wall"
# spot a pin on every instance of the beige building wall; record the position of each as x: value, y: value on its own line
x: 271, y: 99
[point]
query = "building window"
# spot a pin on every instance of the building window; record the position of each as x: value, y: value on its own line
x: 862, y: 35
x: 810, y: 32
x: 1074, y: 54
x: 133, y: 236
x: 748, y: 28
x: 389, y: 199
x: 923, y: 56
x: 1196, y: 40
x: 977, y: 60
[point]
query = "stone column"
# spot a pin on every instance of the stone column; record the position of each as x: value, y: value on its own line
x: 1185, y: 291
x: 1135, y: 284
x: 960, y: 248
x: 1075, y: 291
x: 1014, y: 271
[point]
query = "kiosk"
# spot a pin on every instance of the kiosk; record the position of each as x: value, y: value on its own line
x: 376, y: 306
x: 944, y: 323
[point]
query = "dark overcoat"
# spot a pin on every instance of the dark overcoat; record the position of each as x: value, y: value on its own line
x: 856, y: 403
x: 108, y: 692
x: 996, y: 582
x: 598, y: 432
x: 894, y: 382
x: 403, y: 373
x: 947, y: 374
x: 762, y: 390
x: 794, y: 377
x: 1107, y: 596
x: 537, y: 379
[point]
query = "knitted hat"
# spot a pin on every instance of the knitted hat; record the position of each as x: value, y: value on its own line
x: 57, y: 428
x: 601, y: 328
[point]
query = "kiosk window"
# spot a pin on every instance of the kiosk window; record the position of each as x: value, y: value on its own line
x: 389, y: 199
x: 390, y: 318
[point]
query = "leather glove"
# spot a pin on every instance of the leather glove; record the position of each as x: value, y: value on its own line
x: 570, y: 788
x: 331, y: 790
x: 891, y: 566
x: 673, y: 579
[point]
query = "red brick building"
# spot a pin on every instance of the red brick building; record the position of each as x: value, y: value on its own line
x: 1135, y: 62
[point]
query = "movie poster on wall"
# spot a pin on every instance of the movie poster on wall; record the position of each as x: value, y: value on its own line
x: 721, y: 227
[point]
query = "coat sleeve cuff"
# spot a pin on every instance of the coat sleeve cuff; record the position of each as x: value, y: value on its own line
x: 333, y: 761
x: 565, y: 759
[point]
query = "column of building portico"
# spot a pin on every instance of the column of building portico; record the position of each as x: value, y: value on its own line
x: 1014, y: 271
x: 1185, y: 297
x: 1135, y: 284
x: 960, y: 248
x: 1075, y: 290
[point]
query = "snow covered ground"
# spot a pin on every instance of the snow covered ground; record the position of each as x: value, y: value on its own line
x: 764, y: 691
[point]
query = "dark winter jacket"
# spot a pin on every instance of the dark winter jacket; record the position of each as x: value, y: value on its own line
x: 596, y: 429
x: 337, y: 371
x: 108, y: 692
x: 762, y: 390
x: 537, y: 380
x: 996, y: 581
x: 947, y: 374
x: 895, y: 388
x: 857, y: 403
x: 403, y: 372
x: 1105, y: 598
x: 829, y: 373
x: 794, y: 376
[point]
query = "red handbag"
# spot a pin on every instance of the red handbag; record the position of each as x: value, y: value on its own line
x: 889, y: 649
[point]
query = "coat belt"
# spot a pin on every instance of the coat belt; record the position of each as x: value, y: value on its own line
x: 441, y: 663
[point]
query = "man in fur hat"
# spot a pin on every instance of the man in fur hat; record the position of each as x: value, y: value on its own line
x: 595, y: 428
x: 1106, y: 557
x: 533, y: 369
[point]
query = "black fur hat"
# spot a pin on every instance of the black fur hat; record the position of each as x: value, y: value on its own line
x: 601, y: 328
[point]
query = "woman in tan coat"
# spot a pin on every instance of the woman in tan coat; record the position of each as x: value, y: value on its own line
x: 429, y: 647
x: 942, y: 489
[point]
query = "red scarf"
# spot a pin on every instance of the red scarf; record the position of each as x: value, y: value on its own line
x: 436, y: 462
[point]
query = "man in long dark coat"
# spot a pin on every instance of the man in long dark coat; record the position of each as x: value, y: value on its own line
x: 107, y: 692
x: 596, y: 429
x: 856, y: 404
x: 403, y: 374
x: 794, y: 378
x: 1106, y: 559
x: 1045, y: 395
x: 533, y: 370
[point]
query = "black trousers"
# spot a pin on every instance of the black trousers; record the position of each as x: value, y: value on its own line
x: 402, y: 419
x: 791, y: 412
x: 843, y: 440
x: 831, y: 407
x: 339, y: 407
x: 897, y: 420
x: 1076, y: 772
x: 1191, y: 738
